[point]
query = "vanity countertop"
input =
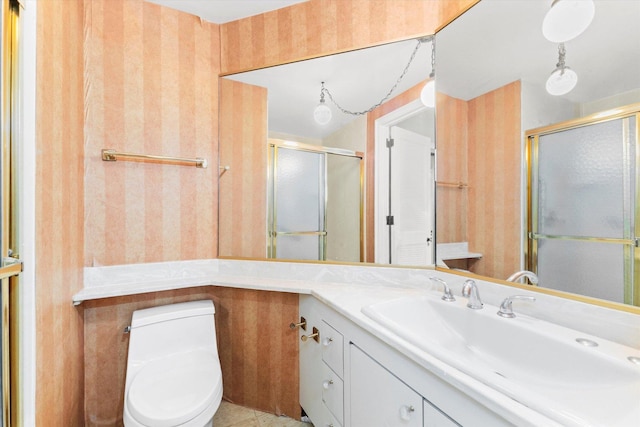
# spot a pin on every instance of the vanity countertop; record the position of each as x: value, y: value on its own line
x: 348, y: 288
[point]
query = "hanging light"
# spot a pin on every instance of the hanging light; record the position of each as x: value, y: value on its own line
x: 322, y: 112
x: 563, y: 79
x: 428, y: 92
x: 567, y: 19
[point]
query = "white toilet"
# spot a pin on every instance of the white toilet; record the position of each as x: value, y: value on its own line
x: 173, y: 368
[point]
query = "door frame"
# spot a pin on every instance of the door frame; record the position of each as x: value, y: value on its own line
x: 382, y: 128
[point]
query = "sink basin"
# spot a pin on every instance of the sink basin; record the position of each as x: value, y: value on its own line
x: 550, y: 368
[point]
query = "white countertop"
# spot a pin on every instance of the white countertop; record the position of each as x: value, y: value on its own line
x: 347, y: 288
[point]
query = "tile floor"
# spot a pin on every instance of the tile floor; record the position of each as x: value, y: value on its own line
x: 230, y: 415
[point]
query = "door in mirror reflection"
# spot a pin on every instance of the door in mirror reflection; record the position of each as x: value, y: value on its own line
x: 584, y: 197
x: 315, y: 199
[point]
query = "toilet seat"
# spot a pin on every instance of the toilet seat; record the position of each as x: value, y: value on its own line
x: 173, y: 390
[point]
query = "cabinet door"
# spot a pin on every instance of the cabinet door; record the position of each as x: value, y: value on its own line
x: 378, y: 398
x: 310, y: 362
x: 433, y: 417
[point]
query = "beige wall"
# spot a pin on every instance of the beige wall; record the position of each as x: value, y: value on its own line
x: 144, y: 80
x: 151, y: 87
x: 258, y: 351
x: 494, y: 146
x: 479, y: 144
x: 59, y: 213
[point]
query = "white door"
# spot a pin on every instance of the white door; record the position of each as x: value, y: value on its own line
x: 411, y: 196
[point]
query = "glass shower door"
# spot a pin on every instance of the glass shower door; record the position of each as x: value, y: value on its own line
x: 298, y: 204
x: 582, y: 231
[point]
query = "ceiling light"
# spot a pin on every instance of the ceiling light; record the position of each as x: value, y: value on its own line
x: 567, y: 19
x: 428, y: 92
x: 322, y: 112
x: 563, y: 79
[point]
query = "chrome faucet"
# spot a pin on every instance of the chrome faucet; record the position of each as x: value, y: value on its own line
x: 448, y: 295
x: 524, y: 273
x: 470, y: 290
x: 505, y: 308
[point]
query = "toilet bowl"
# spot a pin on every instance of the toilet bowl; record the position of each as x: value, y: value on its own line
x: 173, y: 368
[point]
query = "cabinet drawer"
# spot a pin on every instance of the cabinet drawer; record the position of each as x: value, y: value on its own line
x: 329, y: 420
x: 433, y: 417
x: 333, y: 392
x: 332, y: 346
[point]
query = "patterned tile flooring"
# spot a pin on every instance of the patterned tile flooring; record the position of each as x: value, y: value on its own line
x: 230, y: 415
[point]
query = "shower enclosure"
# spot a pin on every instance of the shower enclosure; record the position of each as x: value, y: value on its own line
x: 315, y: 203
x: 583, y: 206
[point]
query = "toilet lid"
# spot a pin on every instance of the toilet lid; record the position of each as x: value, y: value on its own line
x: 175, y: 389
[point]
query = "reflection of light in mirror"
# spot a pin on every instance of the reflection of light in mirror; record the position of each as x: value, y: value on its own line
x: 561, y: 81
x: 428, y: 94
x: 322, y: 113
x: 567, y: 19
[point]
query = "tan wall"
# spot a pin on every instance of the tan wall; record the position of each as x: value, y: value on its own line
x: 243, y: 188
x: 258, y: 351
x: 452, y: 202
x: 320, y: 27
x: 59, y: 213
x: 151, y: 87
x: 479, y: 144
x: 495, y: 144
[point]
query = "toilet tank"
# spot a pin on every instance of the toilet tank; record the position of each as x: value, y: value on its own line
x: 169, y: 329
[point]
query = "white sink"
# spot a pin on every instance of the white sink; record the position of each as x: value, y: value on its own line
x: 535, y: 362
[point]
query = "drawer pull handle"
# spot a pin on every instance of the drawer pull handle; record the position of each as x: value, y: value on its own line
x: 302, y: 324
x: 406, y: 411
x: 327, y: 341
x: 315, y: 335
x: 326, y: 384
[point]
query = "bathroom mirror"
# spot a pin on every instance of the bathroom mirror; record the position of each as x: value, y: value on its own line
x: 295, y: 187
x: 492, y: 66
x: 511, y: 49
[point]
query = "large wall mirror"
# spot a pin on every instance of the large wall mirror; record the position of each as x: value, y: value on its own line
x: 351, y: 180
x: 497, y: 121
x: 491, y: 64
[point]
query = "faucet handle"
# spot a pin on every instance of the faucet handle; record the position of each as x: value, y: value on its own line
x: 470, y: 290
x: 506, y: 309
x: 448, y: 295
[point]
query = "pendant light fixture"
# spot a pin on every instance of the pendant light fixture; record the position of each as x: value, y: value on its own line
x: 428, y: 92
x: 322, y: 112
x: 563, y: 79
x: 567, y: 19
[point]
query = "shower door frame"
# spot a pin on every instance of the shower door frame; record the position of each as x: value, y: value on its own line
x: 631, y: 255
x: 272, y: 209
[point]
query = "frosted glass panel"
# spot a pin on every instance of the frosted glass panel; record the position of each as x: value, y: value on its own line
x: 299, y: 191
x: 585, y: 183
x: 585, y: 268
x: 343, y: 208
x: 299, y: 247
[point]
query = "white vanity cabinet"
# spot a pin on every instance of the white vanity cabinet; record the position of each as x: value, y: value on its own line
x: 378, y: 397
x: 351, y: 378
x: 321, y: 367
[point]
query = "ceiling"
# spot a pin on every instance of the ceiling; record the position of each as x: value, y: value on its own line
x: 495, y: 43
x: 221, y: 11
x: 499, y: 41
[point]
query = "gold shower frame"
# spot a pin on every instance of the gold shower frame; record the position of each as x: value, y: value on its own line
x: 632, y: 257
